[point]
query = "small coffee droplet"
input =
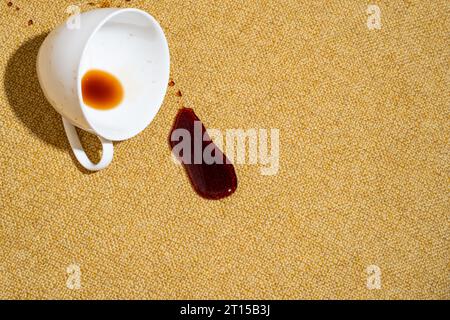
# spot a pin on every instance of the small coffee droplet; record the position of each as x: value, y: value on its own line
x: 10, y: 4
x: 178, y: 94
x: 171, y: 83
x: 17, y: 8
x: 30, y: 22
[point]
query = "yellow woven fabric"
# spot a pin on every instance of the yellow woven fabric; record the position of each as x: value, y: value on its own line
x: 364, y: 168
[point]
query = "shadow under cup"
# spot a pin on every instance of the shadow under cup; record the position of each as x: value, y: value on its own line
x: 131, y: 46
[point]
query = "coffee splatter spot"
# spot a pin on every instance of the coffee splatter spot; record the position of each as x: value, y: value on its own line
x: 30, y: 22
x: 171, y: 83
x: 178, y: 94
x: 10, y: 4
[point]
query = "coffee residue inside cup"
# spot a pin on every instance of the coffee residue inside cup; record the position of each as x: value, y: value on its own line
x: 101, y: 90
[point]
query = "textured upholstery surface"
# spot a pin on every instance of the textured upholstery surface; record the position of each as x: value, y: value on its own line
x: 364, y: 165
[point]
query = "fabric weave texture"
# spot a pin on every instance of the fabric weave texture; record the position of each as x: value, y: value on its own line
x: 364, y: 164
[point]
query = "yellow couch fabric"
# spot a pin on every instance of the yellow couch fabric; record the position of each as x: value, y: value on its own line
x: 364, y: 169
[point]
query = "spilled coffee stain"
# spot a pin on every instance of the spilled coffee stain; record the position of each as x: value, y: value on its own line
x: 172, y: 84
x: 30, y: 22
x: 10, y: 4
x: 213, y: 181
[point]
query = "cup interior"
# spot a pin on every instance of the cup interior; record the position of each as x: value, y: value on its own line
x: 130, y: 45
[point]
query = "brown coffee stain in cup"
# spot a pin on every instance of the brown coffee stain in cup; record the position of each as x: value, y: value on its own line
x: 101, y: 90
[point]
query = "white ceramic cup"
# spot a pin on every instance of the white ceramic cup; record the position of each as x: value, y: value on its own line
x: 129, y: 44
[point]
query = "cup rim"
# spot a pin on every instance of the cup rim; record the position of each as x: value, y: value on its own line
x: 79, y: 75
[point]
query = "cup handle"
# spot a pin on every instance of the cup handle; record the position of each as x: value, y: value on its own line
x: 79, y: 153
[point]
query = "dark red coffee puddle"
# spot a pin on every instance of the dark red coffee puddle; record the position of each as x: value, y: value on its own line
x: 211, y: 181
